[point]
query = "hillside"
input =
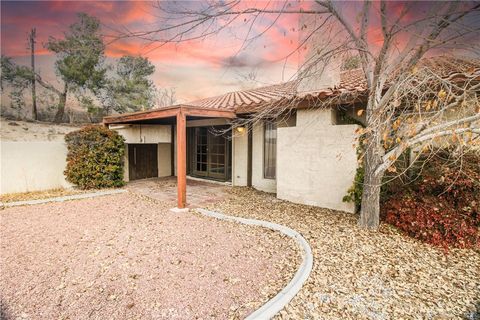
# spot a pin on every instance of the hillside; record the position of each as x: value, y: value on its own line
x: 11, y: 130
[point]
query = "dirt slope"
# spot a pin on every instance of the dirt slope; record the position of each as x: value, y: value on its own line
x: 34, y: 131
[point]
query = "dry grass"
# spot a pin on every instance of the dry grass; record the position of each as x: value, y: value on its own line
x: 360, y: 274
x: 36, y: 195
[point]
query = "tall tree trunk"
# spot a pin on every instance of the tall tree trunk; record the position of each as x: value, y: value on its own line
x: 61, y: 105
x: 32, y: 36
x: 370, y: 210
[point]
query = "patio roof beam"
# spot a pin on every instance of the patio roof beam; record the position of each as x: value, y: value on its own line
x: 138, y: 116
x: 168, y: 113
x: 209, y: 113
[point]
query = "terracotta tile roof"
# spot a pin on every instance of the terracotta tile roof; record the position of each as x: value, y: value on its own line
x: 450, y: 66
x: 350, y: 81
x: 252, y: 97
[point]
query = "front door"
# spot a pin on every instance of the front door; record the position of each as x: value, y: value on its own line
x: 210, y: 154
x: 142, y: 161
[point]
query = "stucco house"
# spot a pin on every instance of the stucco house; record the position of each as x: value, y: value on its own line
x: 306, y: 155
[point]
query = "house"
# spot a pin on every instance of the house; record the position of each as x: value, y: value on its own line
x: 305, y: 153
x: 305, y: 157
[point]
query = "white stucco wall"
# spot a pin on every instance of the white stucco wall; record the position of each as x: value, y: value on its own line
x: 240, y: 158
x: 316, y: 161
x: 32, y: 166
x: 258, y: 181
x: 144, y: 133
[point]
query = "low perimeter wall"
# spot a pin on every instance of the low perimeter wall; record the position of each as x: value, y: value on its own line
x: 32, y: 166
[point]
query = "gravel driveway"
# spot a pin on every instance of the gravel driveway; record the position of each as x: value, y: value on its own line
x: 125, y: 256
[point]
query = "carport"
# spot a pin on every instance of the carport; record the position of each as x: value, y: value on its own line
x: 175, y: 115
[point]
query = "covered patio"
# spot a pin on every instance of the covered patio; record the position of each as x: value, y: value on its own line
x: 177, y: 117
x: 199, y: 194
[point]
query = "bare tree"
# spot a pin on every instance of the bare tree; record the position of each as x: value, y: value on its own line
x: 165, y: 97
x: 249, y: 79
x: 408, y: 102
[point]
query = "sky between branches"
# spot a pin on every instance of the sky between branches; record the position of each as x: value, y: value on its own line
x: 196, y: 69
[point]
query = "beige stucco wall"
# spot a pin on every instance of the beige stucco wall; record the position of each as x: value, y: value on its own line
x: 240, y: 158
x: 164, y: 160
x: 316, y: 161
x: 144, y: 133
x: 258, y: 181
x: 32, y: 166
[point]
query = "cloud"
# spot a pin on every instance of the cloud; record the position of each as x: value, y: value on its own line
x: 243, y: 60
x: 196, y: 68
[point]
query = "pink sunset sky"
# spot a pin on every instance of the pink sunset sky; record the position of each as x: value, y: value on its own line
x: 196, y: 69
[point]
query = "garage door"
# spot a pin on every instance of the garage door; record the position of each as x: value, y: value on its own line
x: 142, y: 161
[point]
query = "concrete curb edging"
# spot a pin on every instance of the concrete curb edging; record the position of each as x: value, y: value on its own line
x: 62, y: 199
x: 277, y: 303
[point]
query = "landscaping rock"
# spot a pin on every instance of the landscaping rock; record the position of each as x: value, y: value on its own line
x: 361, y: 274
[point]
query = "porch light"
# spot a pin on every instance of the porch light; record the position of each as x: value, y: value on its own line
x: 241, y: 129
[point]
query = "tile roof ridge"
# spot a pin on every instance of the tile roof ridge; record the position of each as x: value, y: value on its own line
x: 280, y: 84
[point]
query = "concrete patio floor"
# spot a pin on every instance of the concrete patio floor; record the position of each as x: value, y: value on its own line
x: 199, y: 193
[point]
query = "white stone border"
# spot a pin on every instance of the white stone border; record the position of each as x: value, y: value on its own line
x: 277, y: 303
x: 64, y: 198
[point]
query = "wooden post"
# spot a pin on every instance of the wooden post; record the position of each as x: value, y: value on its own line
x: 181, y: 159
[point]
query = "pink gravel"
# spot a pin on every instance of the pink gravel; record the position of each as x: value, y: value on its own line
x: 125, y: 256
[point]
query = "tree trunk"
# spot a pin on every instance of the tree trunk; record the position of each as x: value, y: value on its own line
x: 370, y: 211
x: 32, y: 60
x: 61, y: 105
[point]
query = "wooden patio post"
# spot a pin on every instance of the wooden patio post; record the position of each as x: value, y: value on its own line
x: 181, y: 159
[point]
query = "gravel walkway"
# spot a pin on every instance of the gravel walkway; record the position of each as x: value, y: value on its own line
x: 359, y: 274
x: 125, y: 256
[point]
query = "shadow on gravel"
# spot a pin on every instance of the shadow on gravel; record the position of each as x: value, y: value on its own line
x: 475, y: 314
x: 4, y: 315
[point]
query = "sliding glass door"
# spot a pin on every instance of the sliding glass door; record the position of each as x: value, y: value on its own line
x: 210, y: 154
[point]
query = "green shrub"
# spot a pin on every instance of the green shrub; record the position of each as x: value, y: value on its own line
x: 354, y: 193
x: 95, y: 158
